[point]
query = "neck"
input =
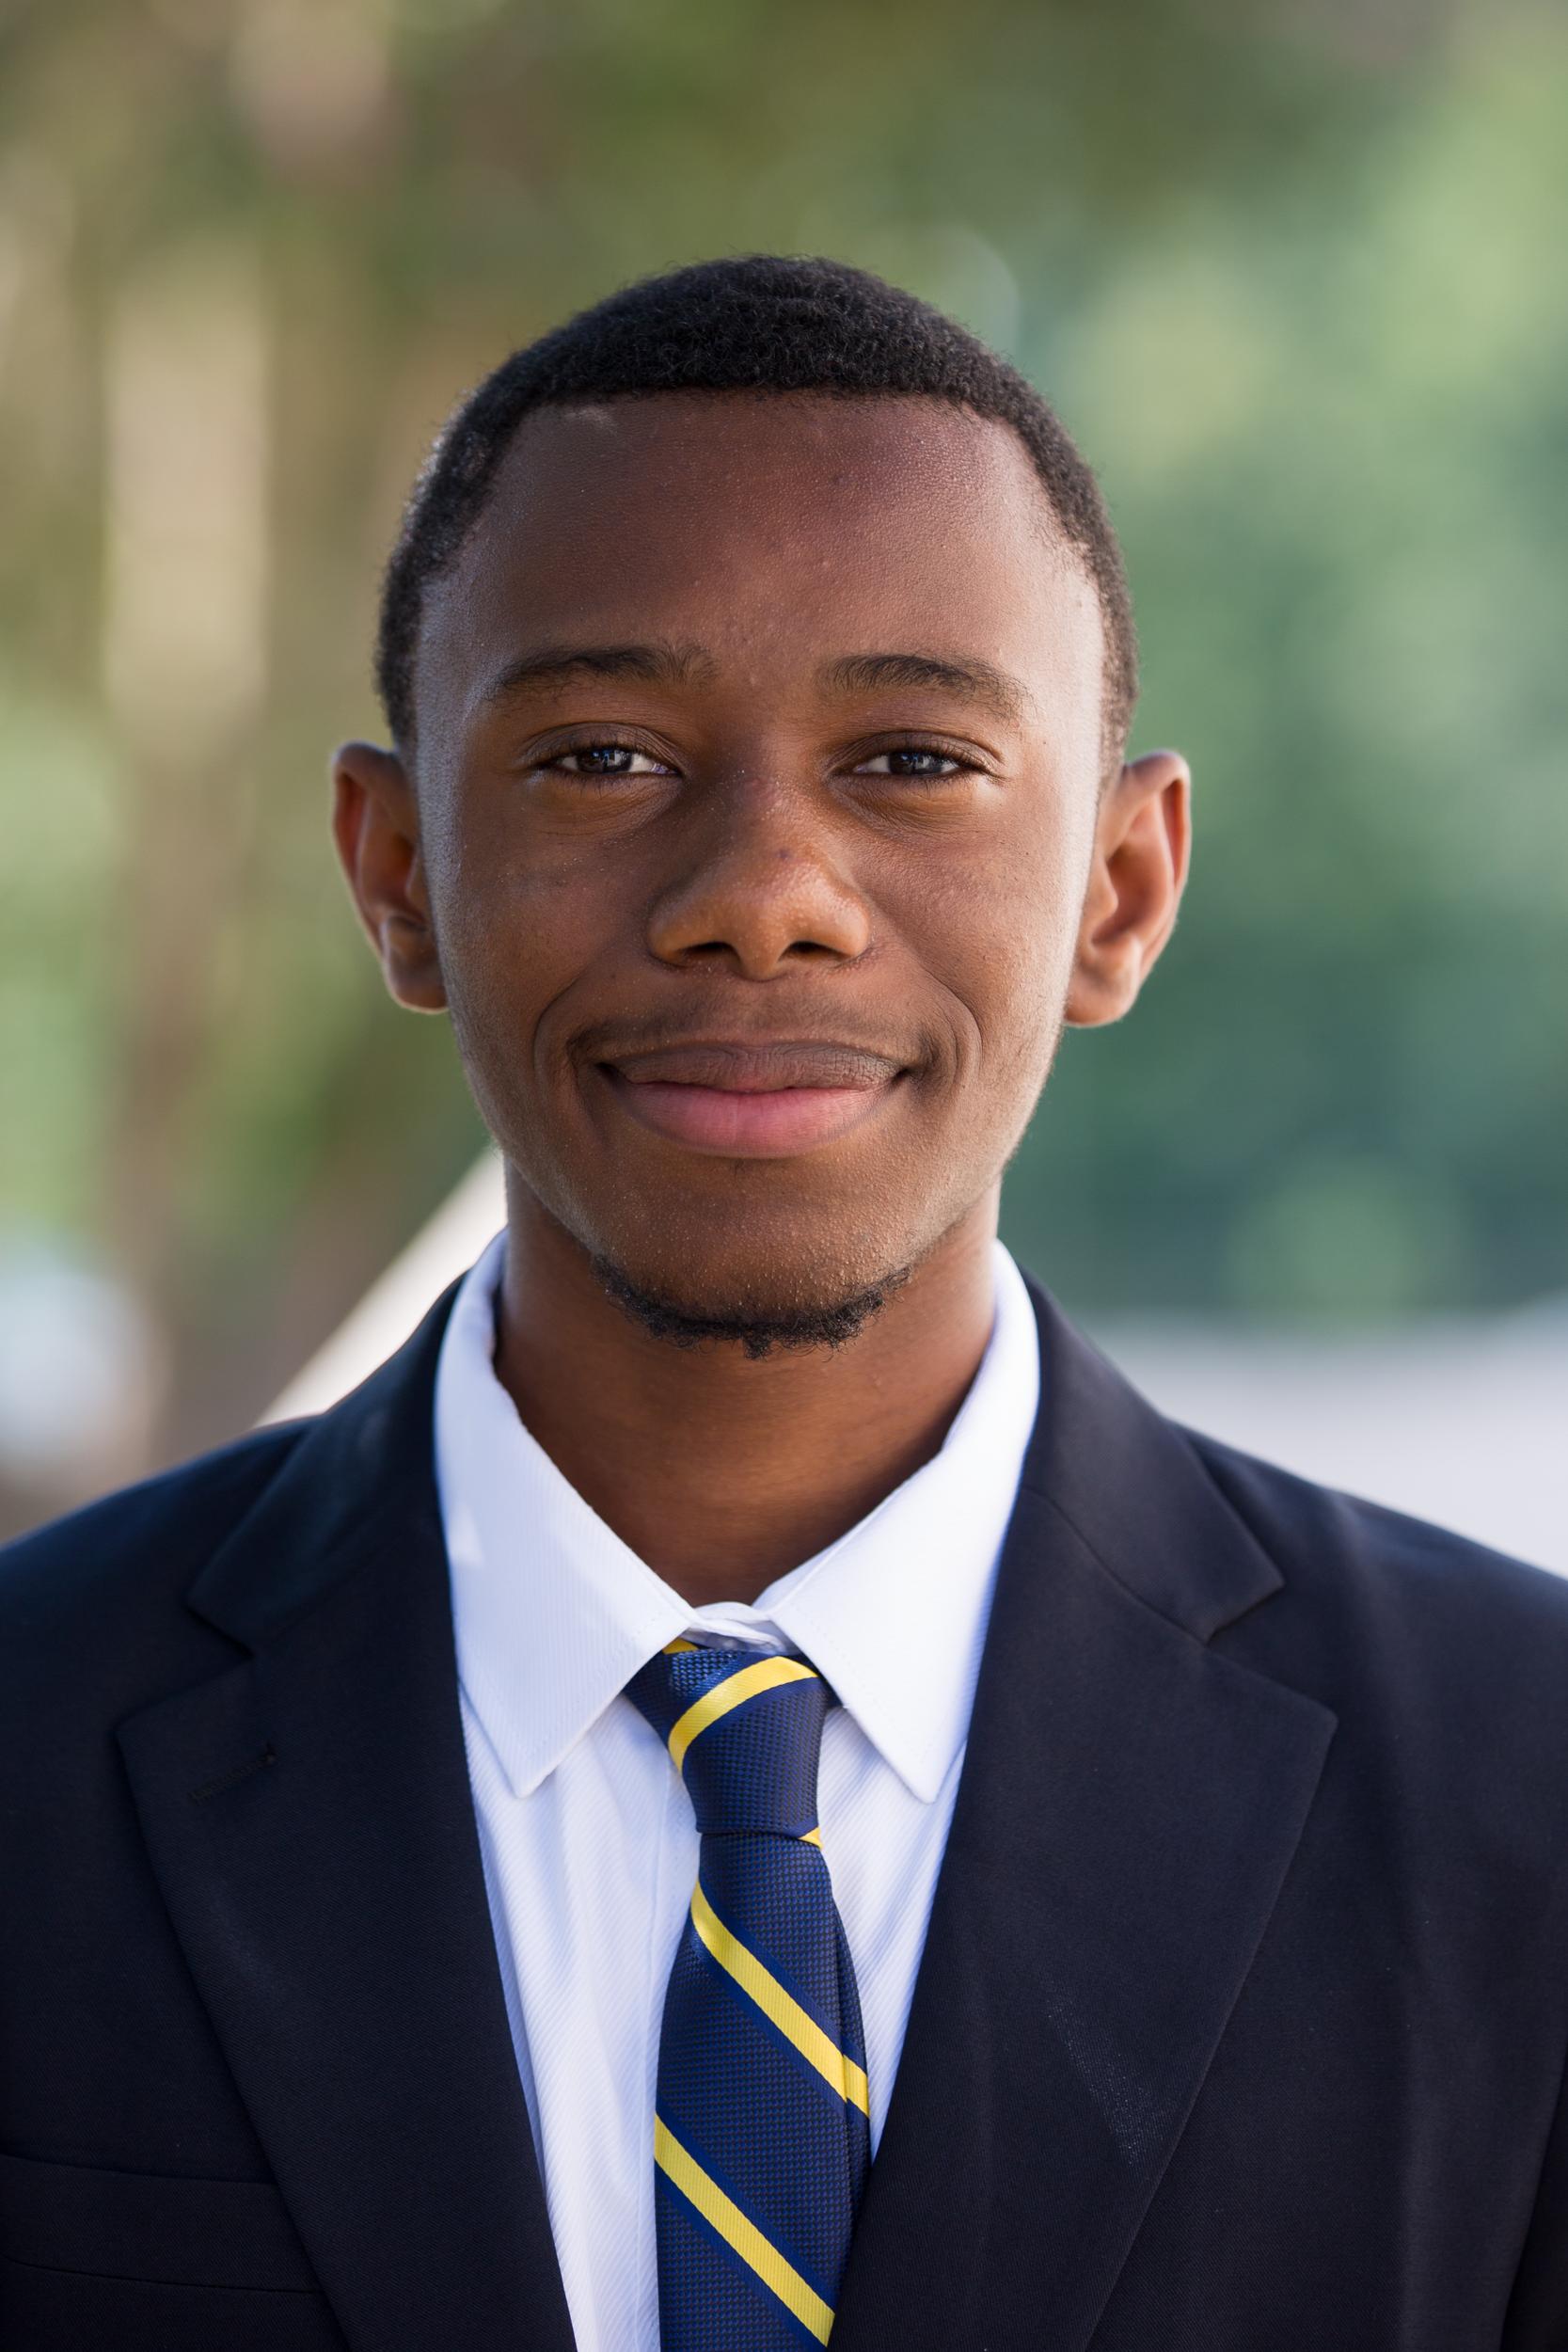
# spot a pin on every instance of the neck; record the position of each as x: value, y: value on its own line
x: 720, y: 1469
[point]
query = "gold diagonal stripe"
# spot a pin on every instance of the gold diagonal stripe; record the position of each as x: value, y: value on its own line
x: 734, y: 1692
x: 737, y: 2230
x: 680, y: 1643
x: 801, y: 2028
x: 811, y: 1837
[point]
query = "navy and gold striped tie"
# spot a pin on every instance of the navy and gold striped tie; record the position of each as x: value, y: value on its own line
x: 761, y: 2132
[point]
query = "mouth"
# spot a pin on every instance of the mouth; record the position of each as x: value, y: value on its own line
x: 749, y: 1101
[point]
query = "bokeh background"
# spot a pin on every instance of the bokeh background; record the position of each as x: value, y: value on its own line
x: 1293, y: 270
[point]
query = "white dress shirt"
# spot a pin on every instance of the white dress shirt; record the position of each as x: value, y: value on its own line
x: 589, y: 1844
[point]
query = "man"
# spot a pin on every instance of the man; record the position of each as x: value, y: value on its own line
x: 745, y: 1785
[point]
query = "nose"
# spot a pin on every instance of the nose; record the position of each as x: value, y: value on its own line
x: 761, y: 893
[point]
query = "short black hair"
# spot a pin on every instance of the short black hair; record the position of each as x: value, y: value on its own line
x: 761, y: 323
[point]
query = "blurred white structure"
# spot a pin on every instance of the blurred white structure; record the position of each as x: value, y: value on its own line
x: 1463, y: 1421
x: 81, y: 1373
x: 389, y: 1310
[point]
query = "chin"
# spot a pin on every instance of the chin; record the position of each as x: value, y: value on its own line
x: 757, y: 1326
x: 749, y: 1291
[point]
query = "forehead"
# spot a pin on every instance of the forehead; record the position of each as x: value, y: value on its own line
x: 776, y: 531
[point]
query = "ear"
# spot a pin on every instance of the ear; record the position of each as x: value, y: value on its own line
x: 1142, y: 842
x: 375, y: 824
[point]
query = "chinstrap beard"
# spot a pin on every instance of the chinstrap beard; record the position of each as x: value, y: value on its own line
x: 758, y: 1332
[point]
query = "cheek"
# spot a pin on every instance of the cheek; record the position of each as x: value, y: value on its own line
x: 511, y: 937
x: 502, y: 896
x: 1001, y: 941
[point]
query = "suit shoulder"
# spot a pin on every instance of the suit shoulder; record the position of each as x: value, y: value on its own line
x: 136, y: 1548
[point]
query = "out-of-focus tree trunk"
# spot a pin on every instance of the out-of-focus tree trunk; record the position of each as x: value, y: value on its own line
x: 186, y: 625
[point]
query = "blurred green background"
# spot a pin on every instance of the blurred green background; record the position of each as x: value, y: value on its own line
x: 1293, y: 270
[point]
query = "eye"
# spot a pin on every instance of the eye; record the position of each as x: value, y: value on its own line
x: 606, y: 760
x: 922, y: 767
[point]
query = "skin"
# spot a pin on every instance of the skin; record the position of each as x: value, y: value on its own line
x: 746, y: 833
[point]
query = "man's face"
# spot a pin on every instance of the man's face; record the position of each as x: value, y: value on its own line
x: 759, y: 754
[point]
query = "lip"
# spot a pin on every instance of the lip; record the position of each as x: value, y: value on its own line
x: 746, y: 1100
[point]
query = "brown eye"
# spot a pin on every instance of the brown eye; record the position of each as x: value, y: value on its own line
x: 921, y: 766
x: 607, y: 760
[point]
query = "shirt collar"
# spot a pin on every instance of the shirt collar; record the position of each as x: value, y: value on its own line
x: 553, y: 1613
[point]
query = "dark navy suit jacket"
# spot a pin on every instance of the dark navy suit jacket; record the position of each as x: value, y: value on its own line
x: 1240, y: 2022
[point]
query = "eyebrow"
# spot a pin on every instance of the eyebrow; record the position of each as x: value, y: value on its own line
x: 670, y: 665
x: 562, y: 666
x: 975, y: 681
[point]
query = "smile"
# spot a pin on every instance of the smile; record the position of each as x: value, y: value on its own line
x: 752, y: 1101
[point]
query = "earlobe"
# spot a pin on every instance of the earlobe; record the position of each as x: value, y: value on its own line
x: 375, y: 826
x: 1136, y: 876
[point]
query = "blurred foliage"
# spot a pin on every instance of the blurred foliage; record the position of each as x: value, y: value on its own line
x: 1292, y: 273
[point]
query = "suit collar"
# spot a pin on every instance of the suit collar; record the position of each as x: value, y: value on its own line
x: 360, y: 1471
x: 1131, y: 1488
x: 1123, y: 1478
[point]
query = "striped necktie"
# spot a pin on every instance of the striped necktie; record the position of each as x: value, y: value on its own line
x: 761, y: 2131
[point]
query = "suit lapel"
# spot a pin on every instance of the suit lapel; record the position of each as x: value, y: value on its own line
x: 1128, y: 1804
x: 310, y: 1819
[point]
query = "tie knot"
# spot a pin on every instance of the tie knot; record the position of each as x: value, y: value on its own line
x: 744, y: 1731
